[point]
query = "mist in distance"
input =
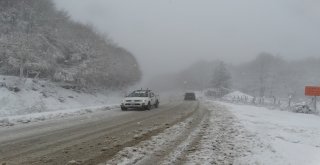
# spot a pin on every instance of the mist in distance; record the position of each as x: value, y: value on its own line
x: 169, y: 35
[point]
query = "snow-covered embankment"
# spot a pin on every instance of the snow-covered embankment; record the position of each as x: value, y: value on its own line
x: 28, y: 100
x: 280, y: 137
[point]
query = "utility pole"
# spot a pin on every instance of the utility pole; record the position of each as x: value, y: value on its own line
x: 315, y: 104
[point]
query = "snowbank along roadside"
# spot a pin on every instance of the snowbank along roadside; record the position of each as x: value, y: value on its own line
x: 28, y: 100
x: 279, y: 137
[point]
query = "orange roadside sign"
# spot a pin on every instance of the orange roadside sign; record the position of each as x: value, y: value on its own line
x: 312, y: 91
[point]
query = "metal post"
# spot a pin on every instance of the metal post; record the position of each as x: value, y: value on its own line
x: 315, y: 104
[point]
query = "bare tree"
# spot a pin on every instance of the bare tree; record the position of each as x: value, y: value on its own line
x: 221, y: 77
x: 36, y: 38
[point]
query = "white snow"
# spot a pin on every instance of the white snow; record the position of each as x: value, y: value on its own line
x: 143, y: 151
x: 243, y: 134
x: 41, y: 100
x: 36, y: 117
x: 280, y: 137
x: 236, y: 95
x: 210, y: 142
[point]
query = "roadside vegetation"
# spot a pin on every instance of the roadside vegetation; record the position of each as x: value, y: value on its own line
x: 39, y: 41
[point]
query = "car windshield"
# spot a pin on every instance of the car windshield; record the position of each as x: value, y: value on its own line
x: 138, y: 94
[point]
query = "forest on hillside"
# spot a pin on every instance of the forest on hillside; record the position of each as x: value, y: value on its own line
x: 269, y: 75
x: 266, y: 75
x: 39, y: 41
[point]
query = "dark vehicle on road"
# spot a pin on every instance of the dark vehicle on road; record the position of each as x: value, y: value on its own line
x: 190, y: 96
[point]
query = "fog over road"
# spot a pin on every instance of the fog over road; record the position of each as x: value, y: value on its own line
x: 177, y: 33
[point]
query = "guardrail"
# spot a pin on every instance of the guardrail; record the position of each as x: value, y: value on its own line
x: 286, y: 104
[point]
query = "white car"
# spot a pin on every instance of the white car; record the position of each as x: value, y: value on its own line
x: 143, y: 99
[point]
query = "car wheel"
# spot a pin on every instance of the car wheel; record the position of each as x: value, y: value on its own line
x: 156, y: 105
x: 148, y: 107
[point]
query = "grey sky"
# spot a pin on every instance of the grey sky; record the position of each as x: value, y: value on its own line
x: 167, y: 35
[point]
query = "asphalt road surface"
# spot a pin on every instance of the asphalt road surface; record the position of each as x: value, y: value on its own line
x: 91, y: 139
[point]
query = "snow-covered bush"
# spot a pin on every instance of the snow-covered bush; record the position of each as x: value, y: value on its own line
x: 302, y: 109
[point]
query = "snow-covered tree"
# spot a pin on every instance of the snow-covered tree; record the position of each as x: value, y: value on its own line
x: 36, y: 40
x: 221, y: 77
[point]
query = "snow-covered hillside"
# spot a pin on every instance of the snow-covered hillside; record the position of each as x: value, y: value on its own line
x: 20, y: 98
x: 37, y: 40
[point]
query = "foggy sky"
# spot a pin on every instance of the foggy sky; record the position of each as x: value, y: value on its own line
x: 168, y: 35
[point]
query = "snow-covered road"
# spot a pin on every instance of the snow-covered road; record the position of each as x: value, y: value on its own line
x: 212, y: 135
x: 179, y: 132
x: 88, y: 139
